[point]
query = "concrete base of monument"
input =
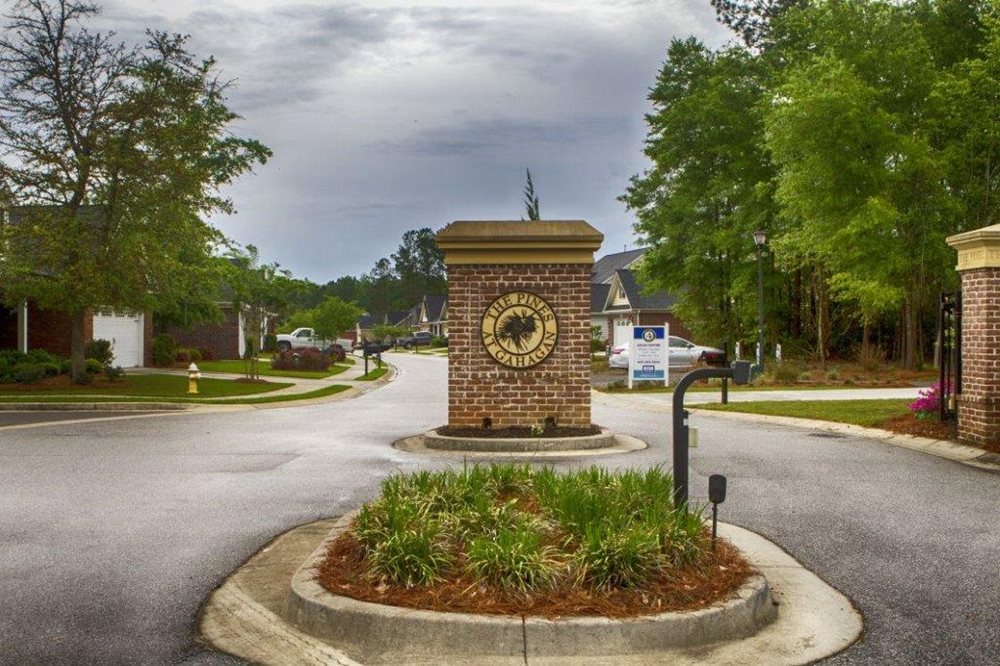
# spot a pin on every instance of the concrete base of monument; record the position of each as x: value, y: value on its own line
x: 603, y: 443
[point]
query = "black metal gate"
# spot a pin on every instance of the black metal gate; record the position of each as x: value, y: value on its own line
x: 950, y: 339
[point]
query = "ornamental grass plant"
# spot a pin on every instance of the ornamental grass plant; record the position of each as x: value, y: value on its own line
x: 521, y: 530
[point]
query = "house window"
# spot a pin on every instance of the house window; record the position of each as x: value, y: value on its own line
x: 621, y: 293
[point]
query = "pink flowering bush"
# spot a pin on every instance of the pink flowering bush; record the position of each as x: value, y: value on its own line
x: 928, y: 404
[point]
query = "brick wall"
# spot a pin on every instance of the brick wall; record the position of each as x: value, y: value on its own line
x: 480, y: 387
x: 50, y: 330
x: 221, y: 340
x: 979, y: 402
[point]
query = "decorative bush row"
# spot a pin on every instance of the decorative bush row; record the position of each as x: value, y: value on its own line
x: 19, y: 368
x: 303, y: 358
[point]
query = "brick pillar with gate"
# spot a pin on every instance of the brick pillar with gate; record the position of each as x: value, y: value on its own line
x: 979, y: 400
x: 519, y: 321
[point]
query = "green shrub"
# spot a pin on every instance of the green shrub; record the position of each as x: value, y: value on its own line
x: 114, y: 373
x: 29, y: 373
x: 614, y: 556
x: 100, y: 349
x: 513, y: 559
x: 93, y: 366
x: 270, y: 343
x: 182, y: 356
x: 164, y: 350
x: 51, y: 369
x: 439, y: 341
x: 786, y: 372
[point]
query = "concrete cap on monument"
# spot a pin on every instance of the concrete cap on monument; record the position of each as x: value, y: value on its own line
x: 467, y: 242
x: 977, y: 249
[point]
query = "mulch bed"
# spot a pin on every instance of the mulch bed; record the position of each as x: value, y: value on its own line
x: 343, y: 573
x: 908, y: 424
x: 518, y: 432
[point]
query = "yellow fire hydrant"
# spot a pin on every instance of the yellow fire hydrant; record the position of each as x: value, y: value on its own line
x: 193, y: 376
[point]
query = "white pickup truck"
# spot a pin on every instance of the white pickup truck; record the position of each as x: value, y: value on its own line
x: 306, y: 337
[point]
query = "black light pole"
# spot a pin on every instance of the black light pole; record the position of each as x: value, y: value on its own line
x: 759, y: 239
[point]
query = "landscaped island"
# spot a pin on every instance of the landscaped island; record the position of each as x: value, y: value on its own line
x: 512, y: 539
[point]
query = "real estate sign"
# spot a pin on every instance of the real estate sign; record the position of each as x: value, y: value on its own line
x: 648, y: 355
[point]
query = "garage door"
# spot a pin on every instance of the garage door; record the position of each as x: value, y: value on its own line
x: 125, y: 332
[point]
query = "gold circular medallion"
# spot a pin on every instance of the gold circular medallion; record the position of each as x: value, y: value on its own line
x: 519, y: 329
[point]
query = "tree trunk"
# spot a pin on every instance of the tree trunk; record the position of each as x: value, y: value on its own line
x: 911, y: 322
x: 77, y: 346
x: 796, y: 328
x: 822, y: 317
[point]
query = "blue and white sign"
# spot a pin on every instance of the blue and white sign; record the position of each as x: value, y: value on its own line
x: 648, y: 355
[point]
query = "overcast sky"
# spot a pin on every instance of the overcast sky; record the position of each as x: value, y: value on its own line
x: 388, y: 116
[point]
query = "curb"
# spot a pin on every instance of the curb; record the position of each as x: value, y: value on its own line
x: 618, y: 443
x: 942, y: 448
x: 246, y: 617
x: 377, y: 633
x: 602, y: 440
x: 94, y: 406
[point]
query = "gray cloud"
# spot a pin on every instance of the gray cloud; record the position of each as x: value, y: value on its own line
x: 386, y: 117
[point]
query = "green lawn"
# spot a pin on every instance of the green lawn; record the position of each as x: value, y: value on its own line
x: 144, y: 386
x: 858, y: 412
x: 238, y: 367
x: 97, y: 397
x: 373, y: 374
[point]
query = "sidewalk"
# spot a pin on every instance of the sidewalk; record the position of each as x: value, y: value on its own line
x: 666, y: 400
x: 348, y: 377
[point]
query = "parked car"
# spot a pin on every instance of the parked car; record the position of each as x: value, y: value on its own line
x: 418, y: 339
x: 681, y: 354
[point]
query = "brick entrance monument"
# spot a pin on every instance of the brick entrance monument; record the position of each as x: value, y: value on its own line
x: 979, y: 400
x: 519, y: 321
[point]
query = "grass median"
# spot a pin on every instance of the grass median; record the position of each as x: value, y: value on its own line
x: 867, y: 413
x: 373, y: 374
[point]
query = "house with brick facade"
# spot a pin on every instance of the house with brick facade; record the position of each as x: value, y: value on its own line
x: 27, y: 326
x: 222, y: 340
x: 618, y: 300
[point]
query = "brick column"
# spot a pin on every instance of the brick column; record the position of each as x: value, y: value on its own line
x: 979, y: 401
x: 532, y: 277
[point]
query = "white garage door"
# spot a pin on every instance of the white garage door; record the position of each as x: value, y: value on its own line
x: 125, y: 332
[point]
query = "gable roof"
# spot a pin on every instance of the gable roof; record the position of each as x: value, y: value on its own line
x: 605, y: 267
x: 435, y: 304
x: 657, y: 300
x: 598, y: 296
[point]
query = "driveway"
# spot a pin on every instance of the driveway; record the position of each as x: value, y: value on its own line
x: 112, y: 533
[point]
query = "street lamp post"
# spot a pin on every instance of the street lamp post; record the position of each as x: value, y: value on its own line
x: 759, y: 239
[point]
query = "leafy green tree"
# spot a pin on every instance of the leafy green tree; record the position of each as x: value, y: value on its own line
x: 332, y: 317
x: 708, y: 188
x: 111, y: 156
x: 256, y: 295
x: 418, y: 265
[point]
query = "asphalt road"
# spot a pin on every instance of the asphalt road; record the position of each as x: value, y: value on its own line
x: 112, y: 533
x: 20, y: 419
